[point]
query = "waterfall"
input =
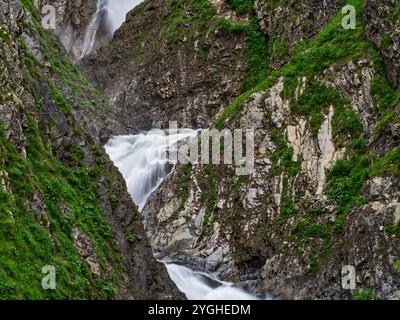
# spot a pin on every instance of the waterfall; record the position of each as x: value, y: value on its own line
x: 143, y: 161
x: 109, y: 16
x: 201, y: 286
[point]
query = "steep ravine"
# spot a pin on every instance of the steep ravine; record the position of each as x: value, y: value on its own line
x: 143, y: 161
x: 324, y: 102
x: 324, y: 190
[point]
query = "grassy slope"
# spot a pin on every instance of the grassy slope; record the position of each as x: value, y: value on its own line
x: 27, y: 246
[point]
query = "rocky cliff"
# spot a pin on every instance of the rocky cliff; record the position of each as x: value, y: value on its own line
x: 324, y: 192
x: 72, y: 18
x: 324, y: 102
x: 285, y: 23
x: 170, y: 62
x: 62, y: 202
x: 381, y: 19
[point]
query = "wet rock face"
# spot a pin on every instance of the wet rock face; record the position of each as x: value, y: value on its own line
x: 363, y: 244
x: 244, y: 236
x: 11, y: 13
x: 382, y: 28
x: 72, y: 19
x: 366, y: 236
x: 151, y: 75
x: 86, y: 250
x: 285, y: 23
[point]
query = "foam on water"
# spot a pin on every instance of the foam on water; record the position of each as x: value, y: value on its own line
x: 142, y: 159
x: 196, y: 287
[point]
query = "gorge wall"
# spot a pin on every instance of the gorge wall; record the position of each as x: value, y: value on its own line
x: 169, y: 63
x: 72, y: 20
x: 62, y: 202
x: 324, y: 193
x: 323, y: 101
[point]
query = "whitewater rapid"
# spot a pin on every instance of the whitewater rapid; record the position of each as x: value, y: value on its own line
x: 143, y: 161
x: 110, y: 14
x: 201, y: 286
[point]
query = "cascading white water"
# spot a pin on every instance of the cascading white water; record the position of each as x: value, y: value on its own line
x: 143, y: 161
x: 196, y: 287
x: 109, y: 13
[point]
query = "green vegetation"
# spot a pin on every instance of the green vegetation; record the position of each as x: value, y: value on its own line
x: 59, y: 98
x: 182, y: 191
x: 365, y: 293
x: 114, y: 201
x: 76, y: 154
x: 345, y: 182
x: 209, y: 194
x: 131, y: 238
x: 31, y: 64
x: 394, y: 229
x: 256, y: 52
x: 347, y: 128
x: 315, y: 101
x: 387, y: 165
x: 386, y: 98
x: 256, y: 55
x: 273, y: 4
x: 279, y: 47
x: 27, y: 245
x: 283, y: 156
x: 77, y: 84
x: 46, y: 198
x: 241, y: 6
x: 287, y: 208
x: 79, y: 87
x: 386, y: 42
x: 396, y: 266
x: 186, y: 19
x: 307, y: 230
x: 333, y: 46
x: 396, y: 13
